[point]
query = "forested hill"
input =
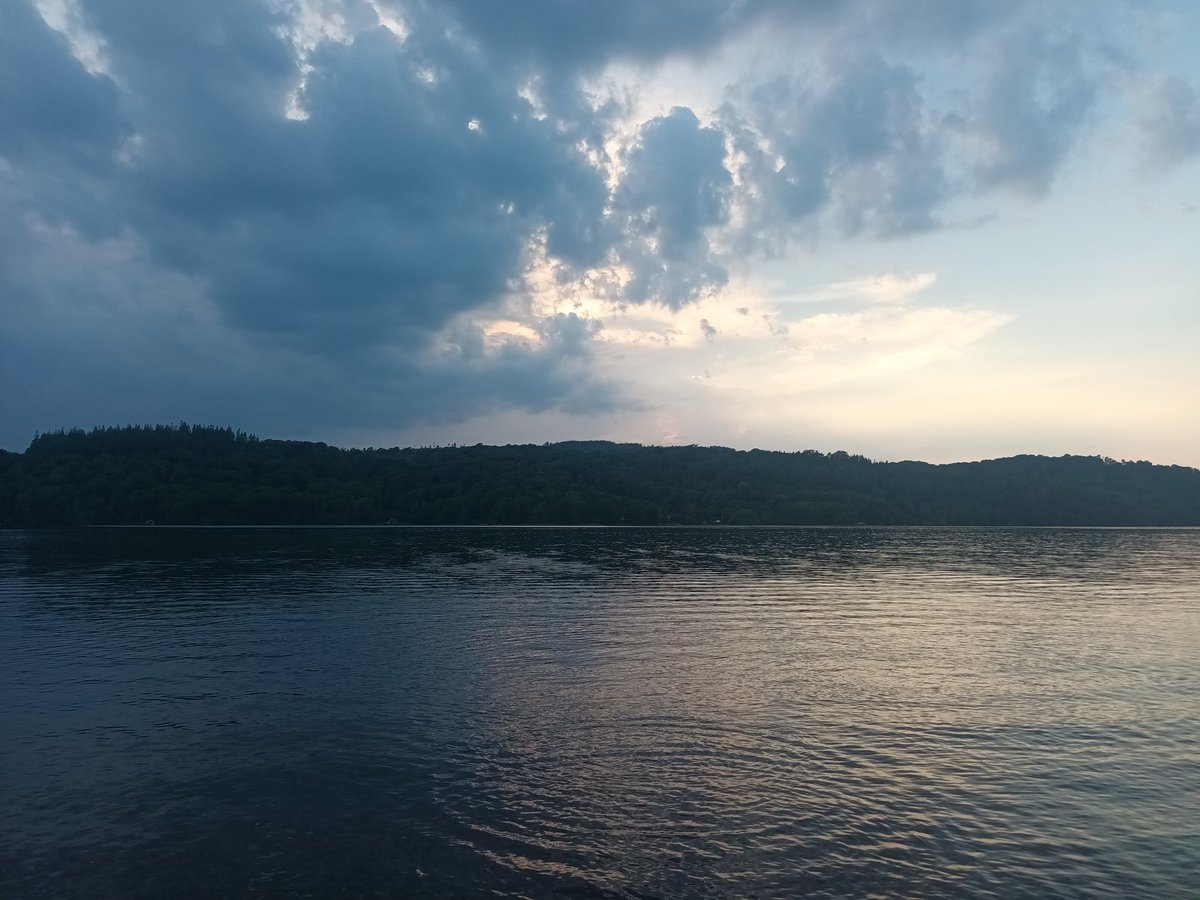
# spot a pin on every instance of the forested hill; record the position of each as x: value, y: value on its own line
x: 183, y: 475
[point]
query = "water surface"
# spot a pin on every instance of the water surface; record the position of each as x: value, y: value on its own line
x: 600, y: 712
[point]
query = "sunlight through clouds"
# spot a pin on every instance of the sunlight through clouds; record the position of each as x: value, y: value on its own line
x: 593, y: 219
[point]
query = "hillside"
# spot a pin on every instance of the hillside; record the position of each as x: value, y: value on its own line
x: 193, y: 475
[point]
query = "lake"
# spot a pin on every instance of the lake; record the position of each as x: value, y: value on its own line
x: 576, y: 712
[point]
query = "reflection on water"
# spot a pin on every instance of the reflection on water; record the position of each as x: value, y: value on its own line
x: 582, y: 712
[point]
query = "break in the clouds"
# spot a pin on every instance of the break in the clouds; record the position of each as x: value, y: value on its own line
x: 324, y: 218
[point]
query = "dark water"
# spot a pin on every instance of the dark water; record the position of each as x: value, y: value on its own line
x: 578, y: 712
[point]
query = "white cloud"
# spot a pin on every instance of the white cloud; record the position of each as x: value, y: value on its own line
x: 65, y: 17
x: 890, y: 287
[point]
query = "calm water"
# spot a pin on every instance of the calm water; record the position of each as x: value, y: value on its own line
x: 600, y: 712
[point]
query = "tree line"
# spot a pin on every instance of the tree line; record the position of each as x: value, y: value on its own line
x: 204, y: 475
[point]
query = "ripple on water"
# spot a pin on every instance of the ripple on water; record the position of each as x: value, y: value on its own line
x: 642, y: 713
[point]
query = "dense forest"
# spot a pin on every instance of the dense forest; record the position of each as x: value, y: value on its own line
x: 201, y: 475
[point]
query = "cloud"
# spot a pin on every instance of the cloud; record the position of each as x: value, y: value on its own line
x: 1037, y: 96
x: 578, y: 37
x: 55, y: 113
x: 382, y: 206
x: 324, y: 199
x: 350, y: 236
x: 928, y: 330
x: 847, y: 147
x: 674, y: 190
x: 863, y: 142
x: 889, y: 287
x: 1169, y: 126
x: 129, y: 341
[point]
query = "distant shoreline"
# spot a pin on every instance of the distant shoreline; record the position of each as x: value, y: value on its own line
x: 677, y: 527
x: 181, y: 475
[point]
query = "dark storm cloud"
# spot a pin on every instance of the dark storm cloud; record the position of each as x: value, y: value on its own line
x: 398, y: 203
x: 394, y: 206
x: 60, y: 131
x: 173, y: 237
x: 53, y: 111
x: 95, y: 331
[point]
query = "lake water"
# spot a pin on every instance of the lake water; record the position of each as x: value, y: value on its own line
x: 600, y: 712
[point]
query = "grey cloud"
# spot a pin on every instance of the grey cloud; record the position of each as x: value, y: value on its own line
x: 129, y: 342
x: 1038, y: 96
x: 577, y: 37
x: 709, y: 331
x: 338, y: 255
x: 343, y: 242
x: 675, y: 188
x: 580, y: 35
x: 379, y: 218
x: 61, y: 129
x: 860, y: 143
x: 1169, y: 125
x: 921, y: 24
x: 859, y: 152
x: 50, y: 105
x: 551, y: 374
x: 568, y: 333
x: 677, y: 180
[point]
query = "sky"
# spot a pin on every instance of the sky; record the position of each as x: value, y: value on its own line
x: 939, y: 229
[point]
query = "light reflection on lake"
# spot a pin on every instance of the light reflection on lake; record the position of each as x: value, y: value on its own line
x: 589, y: 712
